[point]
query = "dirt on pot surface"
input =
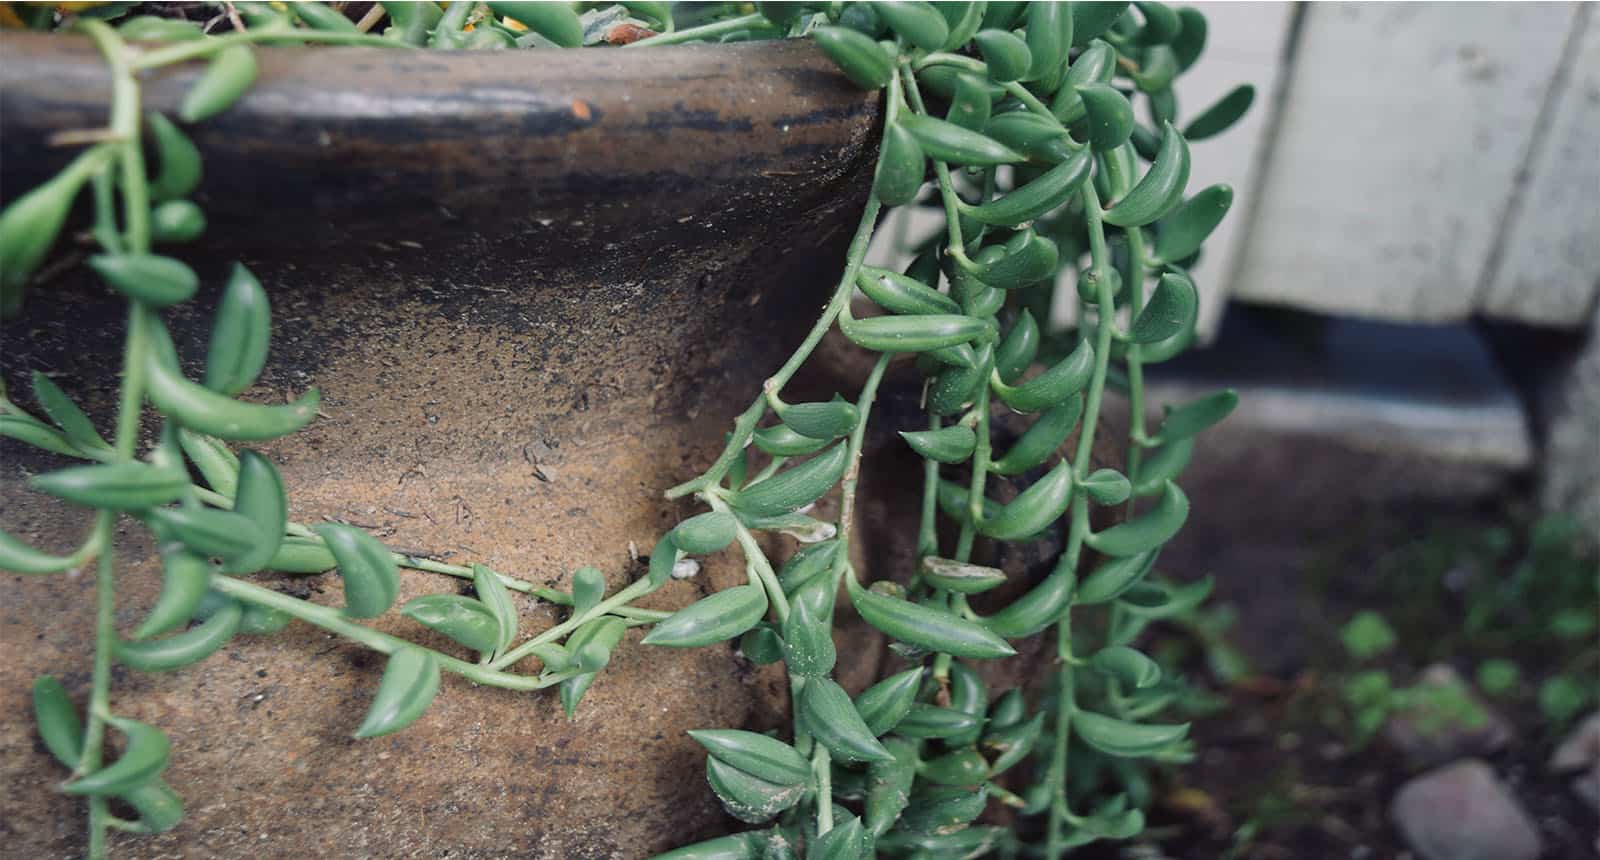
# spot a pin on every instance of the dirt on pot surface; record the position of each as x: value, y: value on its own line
x: 518, y: 397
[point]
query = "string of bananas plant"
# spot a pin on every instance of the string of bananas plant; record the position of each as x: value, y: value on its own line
x: 1024, y: 113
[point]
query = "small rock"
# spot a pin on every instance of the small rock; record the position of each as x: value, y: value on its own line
x: 1461, y: 812
x: 1446, y: 721
x: 1580, y: 749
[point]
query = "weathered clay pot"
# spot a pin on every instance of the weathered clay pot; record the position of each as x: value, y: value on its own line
x: 533, y: 290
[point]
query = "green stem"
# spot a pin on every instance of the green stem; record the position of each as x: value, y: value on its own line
x: 1137, y: 256
x: 1066, y: 699
x: 928, y: 529
x: 704, y: 31
x: 822, y: 772
x: 135, y: 195
x: 852, y: 474
x: 210, y: 46
x: 764, y: 574
x: 745, y: 425
x: 941, y: 171
x: 638, y: 588
x: 334, y: 621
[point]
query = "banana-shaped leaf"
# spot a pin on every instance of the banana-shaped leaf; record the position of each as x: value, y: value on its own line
x: 143, y: 759
x: 232, y: 70
x: 183, y: 649
x: 717, y: 618
x: 18, y: 557
x: 827, y: 712
x: 953, y: 444
x: 755, y: 754
x: 1042, y: 194
x: 1171, y: 310
x: 260, y: 499
x: 1041, y: 439
x: 960, y: 577
x: 1181, y: 233
x: 179, y: 160
x: 75, y: 425
x: 1041, y: 504
x: 464, y: 620
x: 1130, y: 667
x: 371, y: 580
x: 747, y: 797
x: 926, y: 626
x: 1051, y: 388
x: 1005, y: 53
x: 1124, y: 739
x: 1219, y: 117
x: 884, y: 704
x: 1197, y: 415
x: 1161, y: 188
x: 118, y: 486
x: 1146, y: 531
x: 410, y: 681
x: 239, y: 335
x: 948, y: 142
x: 793, y: 488
x: 494, y: 594
x: 860, y: 58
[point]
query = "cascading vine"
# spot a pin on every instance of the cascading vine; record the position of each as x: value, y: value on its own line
x: 1024, y: 112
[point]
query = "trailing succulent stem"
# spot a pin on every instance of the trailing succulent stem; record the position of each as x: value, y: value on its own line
x: 1023, y: 114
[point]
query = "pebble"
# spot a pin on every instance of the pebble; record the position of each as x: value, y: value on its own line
x: 1580, y: 751
x: 1462, y: 812
x: 1428, y: 735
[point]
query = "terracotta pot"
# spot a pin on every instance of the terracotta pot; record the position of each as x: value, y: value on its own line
x: 533, y: 292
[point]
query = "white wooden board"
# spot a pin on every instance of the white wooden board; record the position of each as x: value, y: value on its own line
x: 1404, y: 129
x: 1549, y: 267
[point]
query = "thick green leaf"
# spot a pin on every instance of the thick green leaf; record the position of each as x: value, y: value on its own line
x: 1172, y: 309
x: 1124, y: 739
x: 182, y: 649
x: 239, y: 334
x: 1197, y: 415
x: 748, y: 797
x: 1041, y: 504
x: 144, y: 758
x: 808, y: 648
x: 1130, y: 667
x: 494, y: 594
x: 1180, y: 234
x: 232, y: 70
x: 74, y: 424
x: 717, y: 618
x: 260, y: 499
x: 118, y: 486
x: 1219, y: 117
x: 1160, y: 190
x: 860, y: 58
x: 948, y: 142
x: 827, y: 712
x: 953, y: 444
x: 19, y: 557
x: 793, y: 488
x: 960, y: 577
x: 1146, y: 531
x: 755, y: 754
x: 464, y: 620
x: 926, y: 626
x: 884, y: 704
x: 410, y: 681
x: 371, y: 580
